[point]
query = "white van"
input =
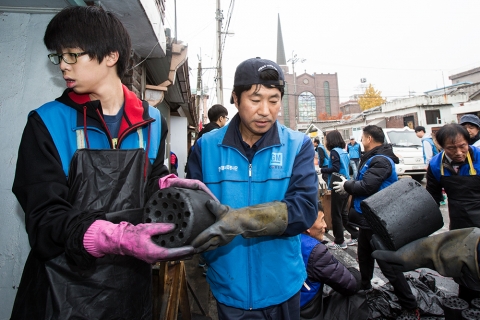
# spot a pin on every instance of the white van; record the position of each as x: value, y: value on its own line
x: 408, y: 148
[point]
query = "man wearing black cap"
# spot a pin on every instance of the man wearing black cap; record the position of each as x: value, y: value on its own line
x: 263, y: 174
x: 472, y: 123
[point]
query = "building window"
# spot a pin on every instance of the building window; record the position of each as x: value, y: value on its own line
x: 326, y: 93
x: 408, y: 122
x: 307, y: 107
x: 433, y: 116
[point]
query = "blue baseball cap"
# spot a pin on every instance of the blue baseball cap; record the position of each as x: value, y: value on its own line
x: 470, y: 118
x: 248, y: 73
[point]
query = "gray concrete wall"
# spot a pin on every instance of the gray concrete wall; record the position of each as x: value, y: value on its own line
x: 178, y: 142
x: 27, y: 80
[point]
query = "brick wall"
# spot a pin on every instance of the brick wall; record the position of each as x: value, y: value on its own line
x: 398, y: 121
x: 315, y: 85
x: 133, y: 77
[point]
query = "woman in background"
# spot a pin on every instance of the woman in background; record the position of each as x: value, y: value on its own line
x: 339, y: 163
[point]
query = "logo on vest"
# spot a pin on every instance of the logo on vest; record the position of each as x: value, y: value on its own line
x: 277, y: 160
x: 227, y: 167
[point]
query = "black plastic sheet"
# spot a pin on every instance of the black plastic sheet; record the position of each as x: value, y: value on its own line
x: 381, y: 303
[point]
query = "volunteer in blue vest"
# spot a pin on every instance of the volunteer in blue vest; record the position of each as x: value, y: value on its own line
x: 354, y: 151
x: 339, y: 162
x: 264, y: 177
x: 87, y: 162
x: 429, y: 148
x: 322, y: 268
x: 323, y: 159
x: 376, y: 172
x: 457, y: 170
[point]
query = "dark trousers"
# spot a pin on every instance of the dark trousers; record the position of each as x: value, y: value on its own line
x: 340, y: 218
x: 288, y: 310
x: 397, y: 279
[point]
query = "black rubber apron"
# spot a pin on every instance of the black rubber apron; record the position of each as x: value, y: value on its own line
x: 117, y: 287
x: 463, y: 193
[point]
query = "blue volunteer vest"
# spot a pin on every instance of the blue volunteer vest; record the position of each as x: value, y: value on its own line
x: 61, y: 122
x: 391, y: 179
x: 344, y: 164
x: 326, y: 160
x: 257, y: 272
x: 434, y: 149
x: 354, y: 151
x: 308, y: 243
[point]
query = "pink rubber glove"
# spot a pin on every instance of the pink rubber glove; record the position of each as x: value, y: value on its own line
x: 104, y: 237
x: 173, y: 181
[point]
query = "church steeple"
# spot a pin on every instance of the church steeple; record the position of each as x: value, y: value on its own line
x: 281, y: 59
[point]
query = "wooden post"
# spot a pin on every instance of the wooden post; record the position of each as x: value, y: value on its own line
x: 170, y: 291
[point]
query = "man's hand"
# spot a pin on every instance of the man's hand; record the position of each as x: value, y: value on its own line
x: 338, y: 186
x: 452, y: 254
x: 268, y: 219
x: 172, y: 180
x: 104, y: 237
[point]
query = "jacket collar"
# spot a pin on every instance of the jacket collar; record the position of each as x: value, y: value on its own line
x: 233, y: 137
x: 384, y: 149
x: 135, y: 110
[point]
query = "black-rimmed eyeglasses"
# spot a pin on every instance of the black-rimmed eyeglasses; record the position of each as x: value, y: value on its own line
x: 226, y: 118
x: 68, y: 57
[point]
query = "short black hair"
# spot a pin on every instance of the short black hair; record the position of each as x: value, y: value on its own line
x: 317, y: 140
x: 449, y: 132
x: 216, y: 111
x: 320, y: 205
x: 92, y: 29
x: 375, y: 132
x: 267, y: 74
x: 420, y: 128
x: 335, y: 140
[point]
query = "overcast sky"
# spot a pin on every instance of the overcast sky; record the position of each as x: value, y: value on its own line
x: 398, y: 46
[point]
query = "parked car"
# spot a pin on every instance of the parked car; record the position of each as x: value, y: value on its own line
x: 408, y: 148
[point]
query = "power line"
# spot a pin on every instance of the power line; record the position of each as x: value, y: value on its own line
x: 380, y: 68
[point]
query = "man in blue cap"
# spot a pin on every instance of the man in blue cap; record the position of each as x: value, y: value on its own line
x: 263, y: 174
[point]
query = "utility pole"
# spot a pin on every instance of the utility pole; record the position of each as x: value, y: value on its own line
x: 199, y: 91
x: 294, y: 60
x: 219, y: 18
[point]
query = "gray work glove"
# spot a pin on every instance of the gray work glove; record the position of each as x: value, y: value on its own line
x: 267, y: 219
x: 452, y: 254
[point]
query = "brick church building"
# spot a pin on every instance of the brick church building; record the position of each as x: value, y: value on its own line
x: 307, y: 96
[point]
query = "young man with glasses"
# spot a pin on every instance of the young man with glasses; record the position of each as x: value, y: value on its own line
x: 87, y: 162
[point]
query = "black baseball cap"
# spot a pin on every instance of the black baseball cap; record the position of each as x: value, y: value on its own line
x: 248, y: 73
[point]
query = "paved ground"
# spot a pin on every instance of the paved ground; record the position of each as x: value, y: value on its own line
x: 205, y: 299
